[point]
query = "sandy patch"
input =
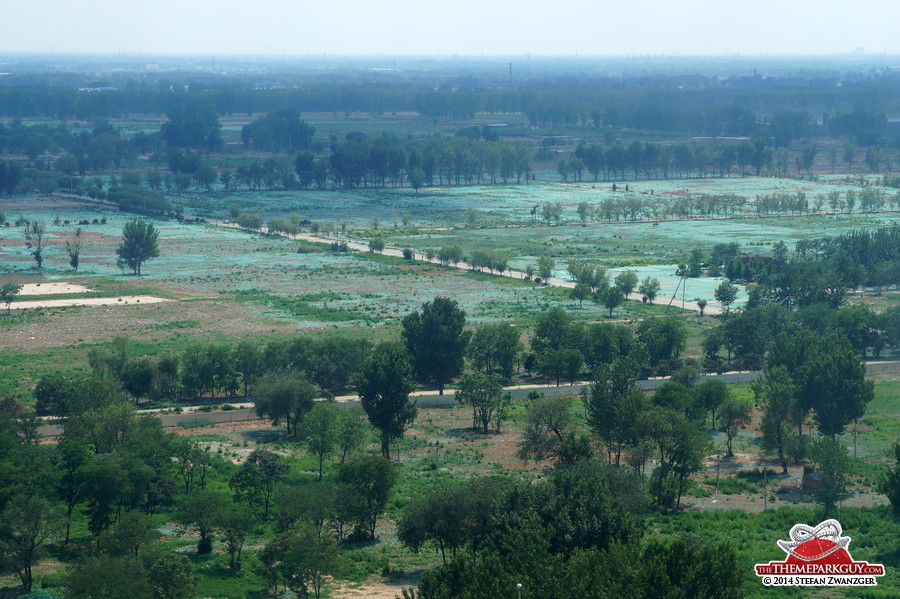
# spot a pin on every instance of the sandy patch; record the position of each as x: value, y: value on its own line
x: 52, y: 288
x: 89, y: 301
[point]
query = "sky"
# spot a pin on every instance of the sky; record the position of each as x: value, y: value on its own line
x: 451, y: 27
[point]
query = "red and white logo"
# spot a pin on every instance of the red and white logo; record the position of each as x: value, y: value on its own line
x: 818, y: 557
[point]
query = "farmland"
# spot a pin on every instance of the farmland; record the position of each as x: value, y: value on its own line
x: 216, y: 286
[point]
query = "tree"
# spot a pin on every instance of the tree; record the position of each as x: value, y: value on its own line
x: 352, y: 431
x: 107, y: 577
x: 832, y: 464
x: 384, y: 385
x: 416, y: 179
x: 73, y: 248
x: 140, y: 242
x: 581, y: 291
x: 8, y: 292
x: 662, y: 338
x: 734, y: 415
x: 436, y: 340
x: 368, y: 482
x: 649, y: 288
x: 583, y: 210
x: 889, y: 480
x: 28, y: 524
x: 236, y: 522
x: 284, y: 396
x: 726, y: 293
x: 614, y: 408
x: 485, y: 394
x: 688, y: 448
x: 319, y: 431
x: 701, y: 303
x: 34, y: 240
x: 626, y: 280
x: 548, y: 421
x: 545, y: 266
x: 376, y: 245
x: 171, y: 576
x: 495, y: 346
x: 301, y: 560
x: 611, y: 297
x: 257, y: 478
x: 201, y: 512
x: 776, y: 395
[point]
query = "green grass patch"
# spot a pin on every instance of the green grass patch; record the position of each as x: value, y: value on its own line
x: 300, y: 307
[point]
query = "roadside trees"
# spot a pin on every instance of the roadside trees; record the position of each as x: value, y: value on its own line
x: 140, y: 242
x: 384, y: 385
x: 627, y: 281
x: 436, y: 340
x: 284, y: 396
x: 8, y: 292
x: 649, y: 288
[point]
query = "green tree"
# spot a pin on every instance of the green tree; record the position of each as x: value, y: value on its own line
x: 384, y: 385
x: 28, y: 525
x: 548, y: 421
x: 611, y: 297
x: 107, y: 577
x: 776, y: 395
x: 200, y: 512
x: 485, y: 395
x: 889, y: 480
x: 726, y: 293
x: 34, y: 239
x: 8, y: 292
x: 663, y: 338
x: 140, y: 242
x: 319, y: 431
x: 352, y: 431
x: 284, y: 396
x: 73, y: 248
x: 236, y: 523
x: 257, y: 478
x: 171, y: 576
x: 614, y: 408
x: 626, y: 280
x: 649, y: 288
x: 368, y: 482
x: 832, y: 465
x: 436, y: 340
x: 734, y: 415
x: 416, y: 178
x: 545, y: 266
x: 581, y: 291
x: 495, y: 346
x: 689, y: 446
x: 302, y: 560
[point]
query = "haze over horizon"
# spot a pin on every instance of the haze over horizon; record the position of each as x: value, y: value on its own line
x: 467, y: 28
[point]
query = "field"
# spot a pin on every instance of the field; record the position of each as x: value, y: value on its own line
x: 224, y: 284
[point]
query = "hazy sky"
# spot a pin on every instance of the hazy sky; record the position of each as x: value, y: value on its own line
x: 445, y: 27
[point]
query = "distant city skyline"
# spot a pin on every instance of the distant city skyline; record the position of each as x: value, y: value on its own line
x: 462, y: 27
